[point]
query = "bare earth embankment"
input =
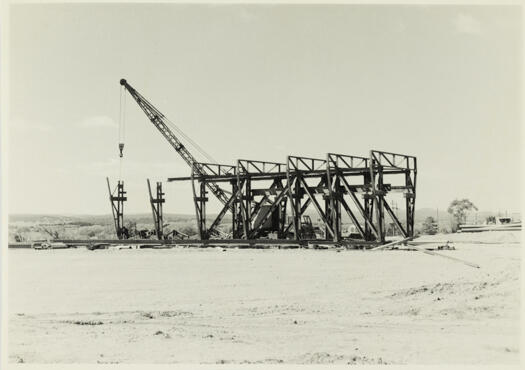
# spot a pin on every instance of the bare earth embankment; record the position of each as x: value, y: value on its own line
x: 266, y: 306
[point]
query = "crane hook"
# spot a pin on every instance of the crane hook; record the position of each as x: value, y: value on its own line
x: 121, y: 148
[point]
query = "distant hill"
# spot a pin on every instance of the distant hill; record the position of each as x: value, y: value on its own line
x: 442, y: 216
x: 146, y: 218
x: 95, y: 219
x: 476, y: 216
x: 34, y: 227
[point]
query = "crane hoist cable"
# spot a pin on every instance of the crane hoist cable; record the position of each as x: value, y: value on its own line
x: 165, y: 128
x: 171, y: 124
x: 122, y: 120
x: 121, y: 128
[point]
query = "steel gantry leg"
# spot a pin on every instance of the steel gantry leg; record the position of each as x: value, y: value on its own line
x: 117, y: 209
x: 200, y: 206
x: 156, y: 209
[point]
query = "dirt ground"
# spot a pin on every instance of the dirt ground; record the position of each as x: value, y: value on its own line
x: 267, y: 306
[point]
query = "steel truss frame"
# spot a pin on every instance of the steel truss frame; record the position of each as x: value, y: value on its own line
x: 270, y: 197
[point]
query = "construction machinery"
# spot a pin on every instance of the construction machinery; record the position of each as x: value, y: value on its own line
x: 164, y: 126
x: 308, y: 230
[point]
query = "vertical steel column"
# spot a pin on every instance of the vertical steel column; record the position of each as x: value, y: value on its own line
x: 235, y: 211
x: 328, y: 214
x: 330, y: 204
x: 368, y: 205
x: 293, y: 200
x: 156, y: 209
x: 381, y: 204
x: 202, y: 201
x: 117, y: 209
x: 410, y: 198
x: 160, y: 218
x: 200, y: 205
x: 248, y: 206
x: 376, y: 177
x: 120, y: 207
x: 282, y: 218
x: 241, y: 215
x: 337, y: 209
x: 297, y: 204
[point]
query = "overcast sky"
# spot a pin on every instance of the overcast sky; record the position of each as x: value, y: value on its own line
x: 261, y: 82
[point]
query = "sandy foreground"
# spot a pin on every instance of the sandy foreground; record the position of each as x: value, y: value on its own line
x: 266, y: 306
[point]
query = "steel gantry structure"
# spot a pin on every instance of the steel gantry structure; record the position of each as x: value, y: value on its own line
x: 271, y: 199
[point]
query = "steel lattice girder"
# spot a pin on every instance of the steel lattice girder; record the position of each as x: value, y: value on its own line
x: 259, y: 209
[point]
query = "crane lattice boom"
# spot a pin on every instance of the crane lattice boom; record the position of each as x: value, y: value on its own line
x: 158, y: 119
